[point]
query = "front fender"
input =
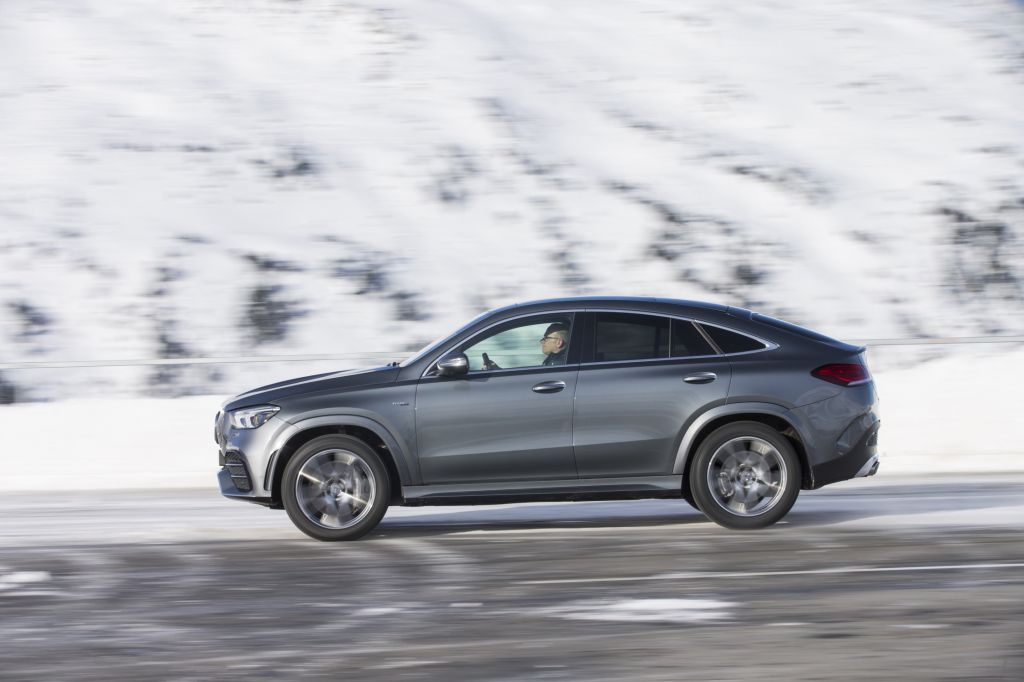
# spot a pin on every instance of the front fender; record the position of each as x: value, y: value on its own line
x: 408, y: 471
x: 792, y: 418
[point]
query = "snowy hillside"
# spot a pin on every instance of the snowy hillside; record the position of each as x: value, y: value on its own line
x: 263, y: 178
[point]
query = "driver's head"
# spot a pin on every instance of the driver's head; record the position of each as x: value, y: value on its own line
x: 555, y: 339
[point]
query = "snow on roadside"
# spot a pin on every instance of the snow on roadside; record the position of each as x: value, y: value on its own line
x: 948, y: 415
x: 697, y: 611
x: 109, y: 443
x: 959, y: 413
x: 12, y: 581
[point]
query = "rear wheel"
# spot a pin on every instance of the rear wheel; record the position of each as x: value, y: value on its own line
x: 746, y: 475
x: 335, y: 488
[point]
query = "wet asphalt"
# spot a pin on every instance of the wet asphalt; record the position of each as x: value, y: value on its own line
x: 913, y: 579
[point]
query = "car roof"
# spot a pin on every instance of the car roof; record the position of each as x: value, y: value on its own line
x: 614, y: 301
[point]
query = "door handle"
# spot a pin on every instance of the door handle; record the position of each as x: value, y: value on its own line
x: 700, y: 378
x: 549, y: 387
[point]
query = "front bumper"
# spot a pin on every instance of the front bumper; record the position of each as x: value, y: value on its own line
x: 246, y: 456
x: 229, y: 489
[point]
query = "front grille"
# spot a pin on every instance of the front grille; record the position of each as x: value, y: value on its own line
x: 238, y: 471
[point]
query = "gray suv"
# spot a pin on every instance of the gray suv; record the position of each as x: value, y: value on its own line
x: 564, y: 399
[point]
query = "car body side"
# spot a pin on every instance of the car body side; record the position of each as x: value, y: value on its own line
x: 833, y: 428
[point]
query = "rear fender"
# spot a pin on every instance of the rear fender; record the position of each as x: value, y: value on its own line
x: 686, y: 444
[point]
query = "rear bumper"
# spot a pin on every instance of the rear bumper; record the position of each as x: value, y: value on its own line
x: 861, y: 460
x: 870, y: 467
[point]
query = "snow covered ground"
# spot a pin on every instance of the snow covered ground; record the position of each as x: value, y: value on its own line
x: 196, y: 179
x: 948, y: 415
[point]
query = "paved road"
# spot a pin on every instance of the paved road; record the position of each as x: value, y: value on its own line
x: 919, y: 579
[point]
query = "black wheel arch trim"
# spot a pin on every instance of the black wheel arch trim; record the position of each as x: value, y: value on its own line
x: 691, y: 432
x: 408, y: 472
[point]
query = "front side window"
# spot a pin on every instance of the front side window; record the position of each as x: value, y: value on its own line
x: 627, y: 336
x: 535, y: 341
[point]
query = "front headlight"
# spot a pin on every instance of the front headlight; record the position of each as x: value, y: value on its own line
x: 252, y: 417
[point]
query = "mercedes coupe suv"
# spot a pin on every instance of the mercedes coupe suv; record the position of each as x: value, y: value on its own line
x: 564, y: 399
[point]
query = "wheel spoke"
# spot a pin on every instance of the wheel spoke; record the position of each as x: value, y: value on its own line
x: 353, y: 498
x: 310, y: 477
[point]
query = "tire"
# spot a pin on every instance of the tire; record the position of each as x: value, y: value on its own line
x: 688, y: 495
x: 745, y: 476
x: 335, y: 488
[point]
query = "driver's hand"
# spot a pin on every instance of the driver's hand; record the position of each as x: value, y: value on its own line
x: 488, y: 363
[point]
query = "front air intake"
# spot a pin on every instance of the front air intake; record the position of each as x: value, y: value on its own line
x: 239, y: 472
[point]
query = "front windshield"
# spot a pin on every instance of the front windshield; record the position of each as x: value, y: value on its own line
x: 434, y: 345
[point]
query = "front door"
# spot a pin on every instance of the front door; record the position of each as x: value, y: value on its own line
x: 510, y: 417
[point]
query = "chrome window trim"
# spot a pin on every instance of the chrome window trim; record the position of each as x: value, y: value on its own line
x: 433, y: 365
x: 707, y: 337
x: 768, y: 345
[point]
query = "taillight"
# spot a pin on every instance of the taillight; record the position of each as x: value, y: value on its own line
x: 843, y: 374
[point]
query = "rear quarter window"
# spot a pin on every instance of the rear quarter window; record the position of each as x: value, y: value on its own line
x: 732, y: 342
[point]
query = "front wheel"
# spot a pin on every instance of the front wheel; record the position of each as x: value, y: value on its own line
x: 746, y: 475
x: 335, y: 488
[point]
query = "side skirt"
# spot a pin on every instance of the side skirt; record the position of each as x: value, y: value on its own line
x: 543, y: 491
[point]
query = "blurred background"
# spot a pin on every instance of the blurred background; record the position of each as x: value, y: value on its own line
x: 201, y: 197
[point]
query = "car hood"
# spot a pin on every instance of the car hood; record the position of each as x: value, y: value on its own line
x: 317, y: 382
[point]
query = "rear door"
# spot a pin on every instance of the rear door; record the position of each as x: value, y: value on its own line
x: 641, y: 380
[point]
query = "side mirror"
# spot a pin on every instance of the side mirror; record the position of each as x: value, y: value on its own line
x: 454, y: 365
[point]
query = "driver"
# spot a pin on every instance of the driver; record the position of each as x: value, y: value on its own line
x: 555, y: 344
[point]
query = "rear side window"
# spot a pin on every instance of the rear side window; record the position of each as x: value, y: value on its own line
x: 624, y: 336
x: 732, y: 342
x: 687, y: 341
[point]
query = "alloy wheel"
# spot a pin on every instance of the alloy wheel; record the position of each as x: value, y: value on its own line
x: 334, y: 488
x: 747, y: 476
